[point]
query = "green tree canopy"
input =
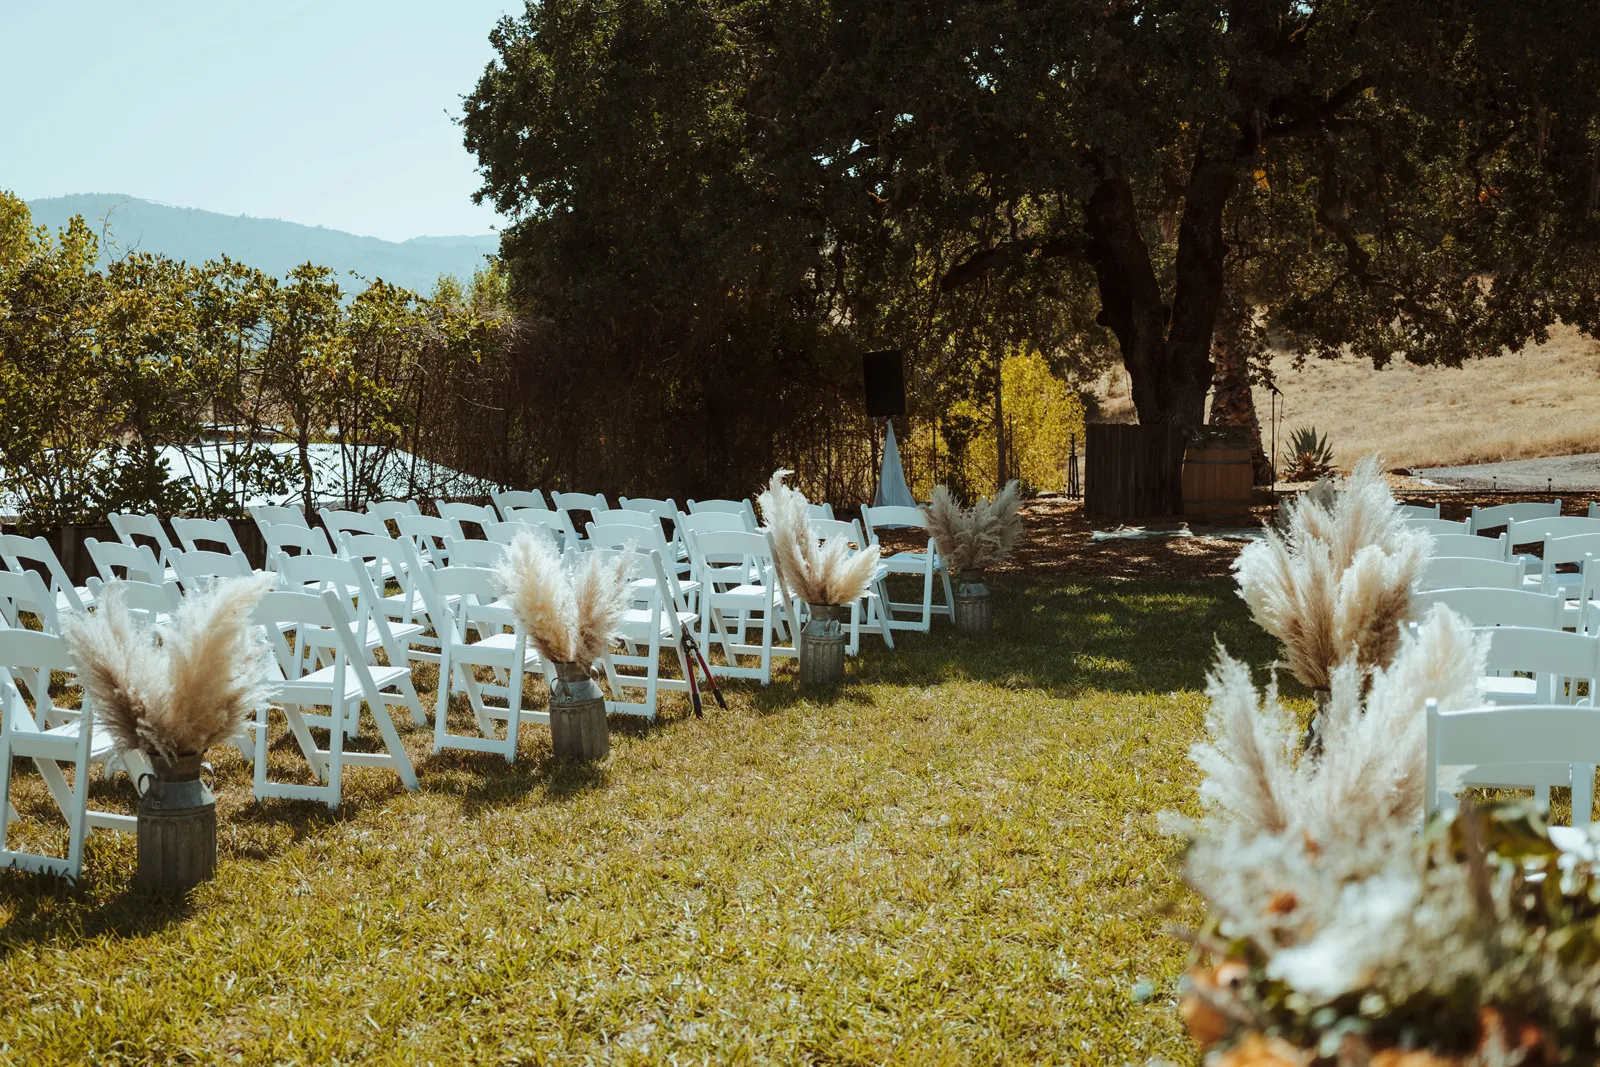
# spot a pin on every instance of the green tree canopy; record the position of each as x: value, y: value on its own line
x: 1415, y: 179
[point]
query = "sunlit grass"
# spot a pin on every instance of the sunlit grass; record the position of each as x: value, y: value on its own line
x: 954, y: 858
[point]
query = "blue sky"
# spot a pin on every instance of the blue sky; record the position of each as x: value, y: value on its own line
x: 334, y: 113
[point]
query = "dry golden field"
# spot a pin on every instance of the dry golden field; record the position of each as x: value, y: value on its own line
x: 1542, y: 401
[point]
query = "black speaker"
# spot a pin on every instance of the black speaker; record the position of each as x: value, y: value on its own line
x: 884, y: 375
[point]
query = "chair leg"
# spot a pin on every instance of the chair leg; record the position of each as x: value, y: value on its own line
x: 514, y: 709
x: 336, y: 757
x: 78, y: 819
x: 7, y: 812
x: 442, y: 702
x: 1582, y: 794
x: 260, y: 769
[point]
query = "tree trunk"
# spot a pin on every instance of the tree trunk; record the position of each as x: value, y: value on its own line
x: 1233, y: 406
x: 1002, y: 458
x: 1166, y: 348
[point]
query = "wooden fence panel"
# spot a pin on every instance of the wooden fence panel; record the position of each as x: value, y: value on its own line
x: 1133, y: 471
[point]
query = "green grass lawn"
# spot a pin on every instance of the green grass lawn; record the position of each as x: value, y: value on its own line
x: 954, y: 858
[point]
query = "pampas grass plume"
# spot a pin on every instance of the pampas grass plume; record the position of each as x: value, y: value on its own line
x: 825, y: 573
x: 1337, y: 582
x: 198, y: 686
x: 983, y: 535
x: 570, y: 617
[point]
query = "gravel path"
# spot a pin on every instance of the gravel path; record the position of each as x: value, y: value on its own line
x: 1558, y: 472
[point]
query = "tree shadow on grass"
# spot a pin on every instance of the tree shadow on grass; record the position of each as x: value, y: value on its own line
x: 484, y: 780
x: 44, y: 908
x: 1067, y: 638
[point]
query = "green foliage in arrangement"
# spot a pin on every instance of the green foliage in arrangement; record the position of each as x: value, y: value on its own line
x: 104, y: 372
x: 908, y: 873
x: 759, y: 182
x: 1307, y: 456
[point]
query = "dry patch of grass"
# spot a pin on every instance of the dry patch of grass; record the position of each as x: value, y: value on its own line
x: 1542, y: 401
x: 954, y: 858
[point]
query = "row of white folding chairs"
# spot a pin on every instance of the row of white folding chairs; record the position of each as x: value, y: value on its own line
x: 1490, y: 518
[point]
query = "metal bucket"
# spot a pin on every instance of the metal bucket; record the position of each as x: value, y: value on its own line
x: 822, y: 645
x: 578, y: 729
x: 176, y: 827
x: 972, y: 612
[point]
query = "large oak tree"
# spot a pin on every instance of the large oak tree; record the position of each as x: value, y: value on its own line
x: 1410, y: 179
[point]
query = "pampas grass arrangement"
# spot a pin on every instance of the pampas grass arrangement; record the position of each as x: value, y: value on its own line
x: 971, y: 539
x: 1307, y: 861
x: 820, y: 574
x: 179, y: 688
x: 1336, y: 584
x: 570, y: 616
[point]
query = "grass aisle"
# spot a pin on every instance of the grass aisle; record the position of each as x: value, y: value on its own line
x: 952, y: 860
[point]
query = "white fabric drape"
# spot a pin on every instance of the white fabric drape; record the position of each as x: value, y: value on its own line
x: 892, y: 487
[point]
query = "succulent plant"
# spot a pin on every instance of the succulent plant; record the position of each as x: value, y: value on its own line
x: 1307, y: 457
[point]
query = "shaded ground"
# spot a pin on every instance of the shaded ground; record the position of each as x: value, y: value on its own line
x: 1056, y: 541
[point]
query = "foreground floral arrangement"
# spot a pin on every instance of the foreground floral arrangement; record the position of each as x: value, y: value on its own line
x: 179, y: 688
x: 1336, y: 934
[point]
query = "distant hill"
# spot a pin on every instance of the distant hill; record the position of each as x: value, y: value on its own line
x: 267, y: 244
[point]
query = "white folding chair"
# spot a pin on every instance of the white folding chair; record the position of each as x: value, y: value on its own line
x: 1419, y: 511
x: 428, y: 534
x: 503, y: 533
x: 369, y: 626
x: 1531, y: 665
x: 484, y: 554
x: 128, y: 526
x: 559, y: 521
x: 618, y: 529
x: 197, y: 569
x: 820, y: 512
x: 336, y: 522
x: 1497, y: 607
x: 195, y: 534
x: 506, y: 499
x: 869, y: 611
x: 744, y: 590
x: 1440, y: 526
x: 743, y: 508
x: 925, y: 565
x: 461, y: 601
x: 405, y: 608
x: 284, y: 540
x: 657, y: 615
x: 1538, y: 531
x: 1464, y: 572
x: 391, y: 510
x: 1491, y: 518
x: 478, y: 514
x: 155, y: 600
x: 1472, y: 546
x: 27, y: 659
x: 25, y: 591
x: 346, y: 683
x: 136, y: 562
x: 569, y: 502
x: 17, y: 551
x: 277, y: 515
x: 665, y: 512
x: 1564, y: 551
x: 1532, y: 744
